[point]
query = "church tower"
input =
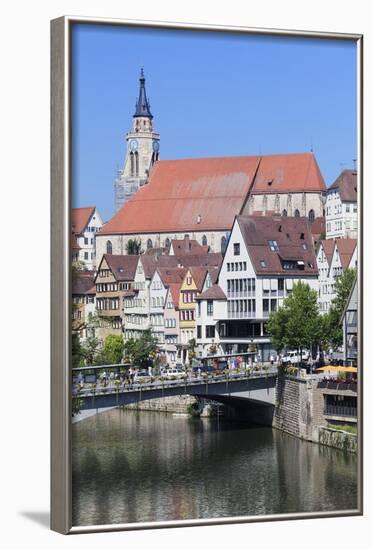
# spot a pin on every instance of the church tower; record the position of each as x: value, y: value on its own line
x: 142, y: 150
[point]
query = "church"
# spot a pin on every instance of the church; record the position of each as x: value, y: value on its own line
x: 161, y: 200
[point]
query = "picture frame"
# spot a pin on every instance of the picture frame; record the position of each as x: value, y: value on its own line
x: 61, y: 204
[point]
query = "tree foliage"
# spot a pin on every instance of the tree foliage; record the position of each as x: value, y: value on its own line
x: 332, y: 326
x: 113, y: 349
x: 296, y: 325
x: 142, y: 352
x: 134, y: 247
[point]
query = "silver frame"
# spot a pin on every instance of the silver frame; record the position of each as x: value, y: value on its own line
x: 61, y: 486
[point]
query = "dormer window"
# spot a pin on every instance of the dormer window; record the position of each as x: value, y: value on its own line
x: 273, y: 246
x: 263, y: 263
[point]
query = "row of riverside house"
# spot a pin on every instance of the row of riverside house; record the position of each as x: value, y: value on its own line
x: 184, y: 291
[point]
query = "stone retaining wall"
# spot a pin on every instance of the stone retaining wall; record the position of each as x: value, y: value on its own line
x: 176, y: 404
x: 339, y: 439
x: 293, y: 407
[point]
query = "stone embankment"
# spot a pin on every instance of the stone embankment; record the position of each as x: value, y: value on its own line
x: 299, y: 411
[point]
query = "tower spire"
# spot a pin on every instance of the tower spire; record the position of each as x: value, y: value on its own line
x: 142, y: 105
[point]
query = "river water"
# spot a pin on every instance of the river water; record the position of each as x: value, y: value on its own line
x: 131, y: 466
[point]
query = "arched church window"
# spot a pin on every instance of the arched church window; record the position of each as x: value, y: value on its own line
x: 131, y: 164
x: 109, y: 247
x: 297, y: 213
x: 311, y: 216
x: 204, y: 240
x: 223, y: 244
x: 137, y: 165
x: 149, y: 244
x: 284, y: 213
x: 167, y: 243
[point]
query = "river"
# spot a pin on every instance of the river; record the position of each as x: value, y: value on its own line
x: 131, y: 466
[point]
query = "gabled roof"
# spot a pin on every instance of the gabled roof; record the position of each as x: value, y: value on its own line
x: 175, y: 289
x: 293, y: 238
x: 151, y: 263
x: 345, y: 249
x: 83, y: 283
x: 211, y: 260
x: 346, y: 185
x: 204, y: 194
x: 328, y: 247
x: 187, y: 246
x: 171, y: 275
x: 198, y: 274
x: 215, y: 292
x: 80, y: 218
x: 285, y: 173
x: 122, y: 267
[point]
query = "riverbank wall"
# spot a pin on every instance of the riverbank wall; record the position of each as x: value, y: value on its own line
x: 299, y: 411
x: 177, y: 404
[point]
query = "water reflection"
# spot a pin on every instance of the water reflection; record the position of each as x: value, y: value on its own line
x: 137, y: 467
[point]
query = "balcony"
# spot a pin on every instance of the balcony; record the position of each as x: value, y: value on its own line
x: 336, y: 410
x: 241, y: 315
x: 241, y: 294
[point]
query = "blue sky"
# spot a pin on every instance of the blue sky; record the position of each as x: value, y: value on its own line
x: 211, y: 94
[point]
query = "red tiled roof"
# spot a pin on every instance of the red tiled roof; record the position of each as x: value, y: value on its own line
x: 288, y: 173
x: 80, y: 218
x: 122, y: 267
x: 346, y: 185
x: 187, y: 246
x: 215, y: 292
x: 175, y: 292
x: 187, y: 195
x: 206, y: 193
x: 198, y: 274
x: 290, y: 233
x: 328, y: 246
x: 74, y: 244
x: 172, y: 275
x: 345, y: 249
x: 83, y: 283
x: 318, y: 226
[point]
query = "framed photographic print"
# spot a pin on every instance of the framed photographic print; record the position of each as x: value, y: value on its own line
x: 206, y: 275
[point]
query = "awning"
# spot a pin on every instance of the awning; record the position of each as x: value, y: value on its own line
x: 336, y: 369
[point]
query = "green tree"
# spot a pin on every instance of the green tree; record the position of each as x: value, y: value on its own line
x: 296, y: 325
x: 91, y: 350
x: 141, y: 352
x: 77, y: 352
x: 113, y: 349
x: 333, y: 334
x: 133, y: 247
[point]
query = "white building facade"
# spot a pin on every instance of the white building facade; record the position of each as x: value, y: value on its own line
x: 255, y: 280
x: 86, y: 223
x: 342, y: 207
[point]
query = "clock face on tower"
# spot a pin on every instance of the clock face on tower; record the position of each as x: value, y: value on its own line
x: 133, y: 145
x: 155, y: 146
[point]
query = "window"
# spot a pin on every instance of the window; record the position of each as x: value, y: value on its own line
x: 236, y: 249
x: 199, y: 331
x: 297, y: 213
x: 354, y: 208
x: 273, y: 246
x: 109, y: 247
x: 209, y: 331
x: 86, y: 255
x: 167, y: 243
x: 204, y: 240
x: 348, y: 208
x: 311, y: 216
x: 284, y: 213
x: 86, y: 240
x: 209, y: 307
x: 228, y: 266
x: 149, y: 244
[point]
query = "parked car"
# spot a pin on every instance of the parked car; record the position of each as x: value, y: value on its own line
x: 173, y: 372
x: 293, y: 358
x: 142, y: 376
